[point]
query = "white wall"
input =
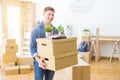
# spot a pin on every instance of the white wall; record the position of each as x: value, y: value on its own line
x: 104, y: 14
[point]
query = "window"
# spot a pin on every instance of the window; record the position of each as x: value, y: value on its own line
x: 14, y: 23
x: 0, y: 26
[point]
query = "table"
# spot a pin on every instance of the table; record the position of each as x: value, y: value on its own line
x: 96, y: 40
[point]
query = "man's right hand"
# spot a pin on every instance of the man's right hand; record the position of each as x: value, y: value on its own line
x: 41, y: 62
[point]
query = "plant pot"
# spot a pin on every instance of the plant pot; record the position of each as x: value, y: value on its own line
x: 48, y: 34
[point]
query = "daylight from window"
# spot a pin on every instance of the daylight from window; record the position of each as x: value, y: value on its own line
x: 14, y: 23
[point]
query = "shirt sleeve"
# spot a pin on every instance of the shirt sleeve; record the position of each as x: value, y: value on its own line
x: 33, y: 43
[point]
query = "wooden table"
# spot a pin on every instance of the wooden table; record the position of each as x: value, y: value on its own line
x: 99, y: 39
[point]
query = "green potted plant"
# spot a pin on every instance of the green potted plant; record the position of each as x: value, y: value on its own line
x: 86, y: 30
x: 48, y: 30
x: 60, y: 29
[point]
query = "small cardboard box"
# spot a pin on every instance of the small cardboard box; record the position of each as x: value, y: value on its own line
x: 24, y: 69
x: 60, y: 62
x: 81, y: 71
x: 10, y: 41
x: 11, y: 70
x: 10, y: 49
x: 9, y: 58
x: 85, y: 38
x: 86, y: 56
x: 56, y: 46
x: 6, y: 65
x: 25, y: 60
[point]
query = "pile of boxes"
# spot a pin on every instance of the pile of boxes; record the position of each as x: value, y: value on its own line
x: 86, y: 56
x: 9, y: 59
x: 58, y: 53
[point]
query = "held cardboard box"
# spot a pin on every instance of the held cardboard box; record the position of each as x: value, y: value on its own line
x: 56, y: 46
x: 60, y: 62
x: 11, y: 70
x: 81, y: 71
x: 24, y: 69
x: 9, y: 58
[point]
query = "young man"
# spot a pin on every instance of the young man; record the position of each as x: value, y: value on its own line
x: 40, y: 70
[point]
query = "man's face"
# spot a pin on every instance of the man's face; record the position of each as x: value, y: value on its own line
x: 48, y: 16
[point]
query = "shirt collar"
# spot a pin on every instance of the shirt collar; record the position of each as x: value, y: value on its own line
x: 41, y: 24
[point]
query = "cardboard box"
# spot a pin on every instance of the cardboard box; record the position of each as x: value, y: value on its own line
x: 81, y: 71
x: 10, y: 48
x: 86, y: 56
x: 9, y: 58
x: 56, y: 46
x: 24, y: 69
x: 25, y: 60
x: 60, y: 62
x: 85, y: 38
x: 10, y: 41
x: 11, y: 70
x: 3, y: 66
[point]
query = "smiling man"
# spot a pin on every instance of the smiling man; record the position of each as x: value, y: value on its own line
x: 40, y: 70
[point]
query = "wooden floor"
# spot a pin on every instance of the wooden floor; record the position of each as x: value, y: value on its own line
x: 102, y: 70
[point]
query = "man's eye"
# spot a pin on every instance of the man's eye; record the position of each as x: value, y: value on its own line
x: 52, y: 14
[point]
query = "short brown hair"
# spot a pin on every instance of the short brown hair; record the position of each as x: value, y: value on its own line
x: 49, y: 8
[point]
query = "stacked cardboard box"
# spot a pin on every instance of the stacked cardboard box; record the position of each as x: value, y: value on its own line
x: 9, y: 57
x: 9, y: 51
x: 11, y: 70
x: 58, y: 53
x: 86, y: 56
x: 11, y: 64
x: 10, y: 46
x: 24, y: 69
x: 24, y: 60
x: 85, y: 36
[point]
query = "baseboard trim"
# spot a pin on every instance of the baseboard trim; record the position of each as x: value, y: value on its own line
x: 106, y: 57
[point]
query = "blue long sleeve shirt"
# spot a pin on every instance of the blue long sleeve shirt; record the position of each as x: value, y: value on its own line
x: 38, y: 32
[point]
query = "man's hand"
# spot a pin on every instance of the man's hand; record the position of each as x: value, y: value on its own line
x: 41, y: 62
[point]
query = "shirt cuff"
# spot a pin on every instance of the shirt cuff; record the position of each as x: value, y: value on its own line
x: 35, y: 54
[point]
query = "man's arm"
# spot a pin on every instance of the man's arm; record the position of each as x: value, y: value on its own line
x: 33, y: 43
